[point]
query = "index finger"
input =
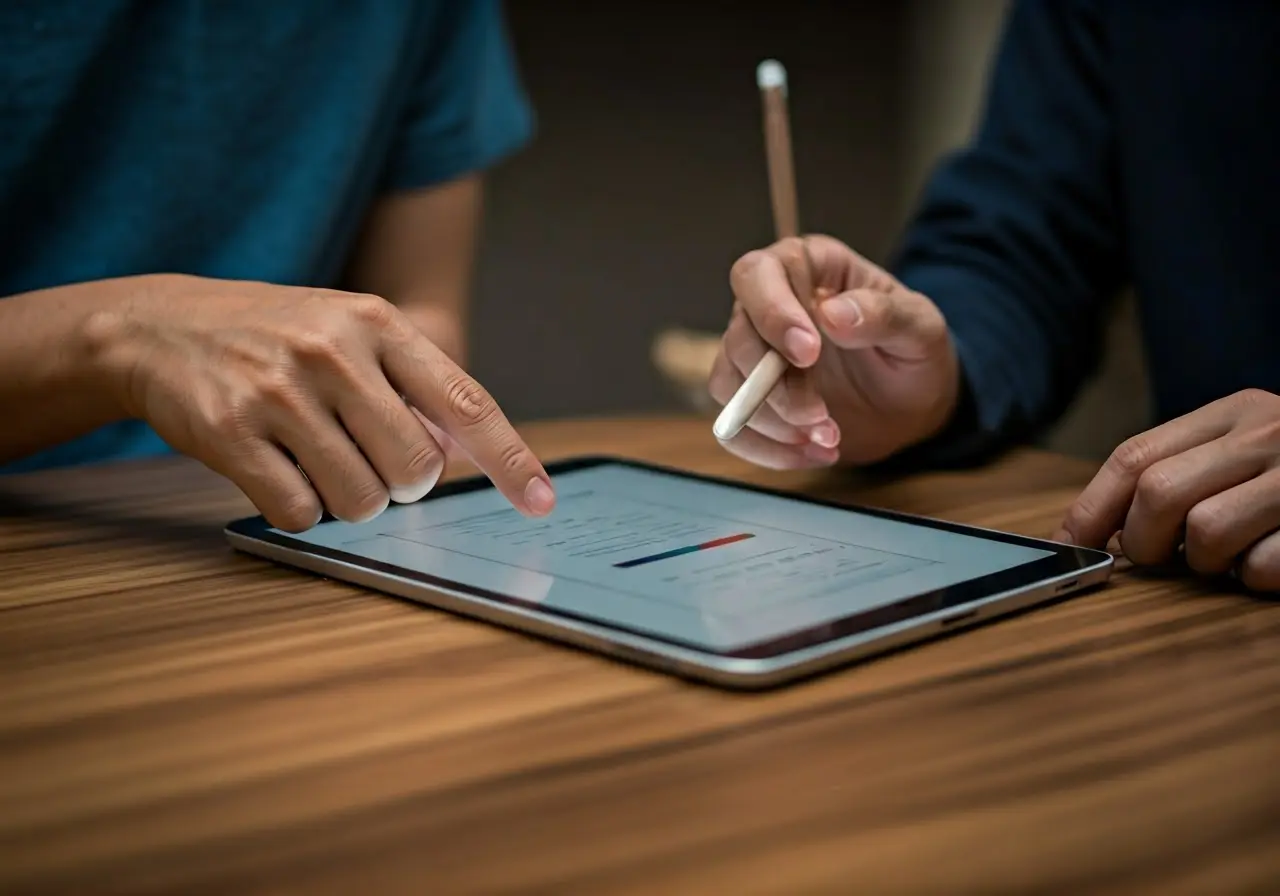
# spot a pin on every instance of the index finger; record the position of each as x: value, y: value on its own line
x: 1099, y: 511
x: 764, y: 290
x: 459, y: 405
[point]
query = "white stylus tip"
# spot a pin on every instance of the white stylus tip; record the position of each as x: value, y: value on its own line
x: 770, y: 73
x: 726, y: 428
x: 753, y: 393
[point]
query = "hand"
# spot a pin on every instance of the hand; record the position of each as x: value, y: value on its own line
x: 874, y: 369
x: 1207, y: 483
x: 443, y: 328
x: 296, y: 395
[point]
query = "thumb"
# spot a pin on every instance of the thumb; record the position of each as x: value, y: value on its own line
x: 899, y: 322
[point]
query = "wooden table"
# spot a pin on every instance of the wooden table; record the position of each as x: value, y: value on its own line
x: 178, y: 717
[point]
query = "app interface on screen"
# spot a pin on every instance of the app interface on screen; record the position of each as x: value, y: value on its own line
x: 694, y: 561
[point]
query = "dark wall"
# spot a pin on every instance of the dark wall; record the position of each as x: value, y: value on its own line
x: 647, y: 180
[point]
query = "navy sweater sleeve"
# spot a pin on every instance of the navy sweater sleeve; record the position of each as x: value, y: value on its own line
x: 1017, y: 237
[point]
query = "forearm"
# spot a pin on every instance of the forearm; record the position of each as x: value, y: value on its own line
x: 1018, y: 239
x: 56, y: 382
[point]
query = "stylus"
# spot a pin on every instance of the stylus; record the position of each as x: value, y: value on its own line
x: 771, y: 78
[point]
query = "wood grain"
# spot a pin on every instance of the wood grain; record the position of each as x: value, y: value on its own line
x: 176, y: 717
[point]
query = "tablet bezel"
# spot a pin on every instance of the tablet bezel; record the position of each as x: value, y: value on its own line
x: 1064, y: 561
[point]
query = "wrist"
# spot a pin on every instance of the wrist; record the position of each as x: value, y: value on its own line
x: 959, y: 442
x: 108, y: 343
x: 948, y: 415
x: 954, y: 403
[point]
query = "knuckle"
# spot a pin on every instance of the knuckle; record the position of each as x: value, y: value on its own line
x: 1260, y: 570
x: 1263, y: 437
x: 1269, y: 431
x: 1207, y: 527
x: 298, y: 511
x: 357, y: 499
x: 828, y: 252
x: 1251, y: 397
x: 876, y: 309
x: 279, y: 388
x: 745, y: 268
x: 369, y: 498
x: 514, y: 457
x: 371, y: 310
x: 316, y: 346
x: 423, y: 457
x: 791, y: 252
x: 229, y: 418
x: 1132, y: 457
x: 1156, y: 491
x: 1079, y: 518
x: 930, y: 323
x: 898, y: 316
x: 794, y: 402
x: 772, y: 321
x: 825, y: 244
x: 468, y: 401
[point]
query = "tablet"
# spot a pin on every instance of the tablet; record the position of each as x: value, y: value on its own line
x: 728, y: 583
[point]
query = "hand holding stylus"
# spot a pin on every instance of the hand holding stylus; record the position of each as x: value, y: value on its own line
x: 870, y: 370
x: 826, y: 356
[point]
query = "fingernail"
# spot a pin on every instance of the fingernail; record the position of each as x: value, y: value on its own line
x: 410, y: 494
x: 842, y: 312
x: 825, y: 434
x: 539, y: 497
x: 1062, y: 536
x: 800, y: 344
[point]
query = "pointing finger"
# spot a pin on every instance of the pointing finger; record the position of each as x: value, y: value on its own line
x: 459, y: 405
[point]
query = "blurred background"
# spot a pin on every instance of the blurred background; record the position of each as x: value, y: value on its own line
x: 647, y: 180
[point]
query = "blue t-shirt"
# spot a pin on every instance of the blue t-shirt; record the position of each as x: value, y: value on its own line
x: 238, y: 139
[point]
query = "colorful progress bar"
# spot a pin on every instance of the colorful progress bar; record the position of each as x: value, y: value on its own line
x: 693, y: 548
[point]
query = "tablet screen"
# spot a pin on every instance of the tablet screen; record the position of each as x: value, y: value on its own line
x: 693, y: 562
